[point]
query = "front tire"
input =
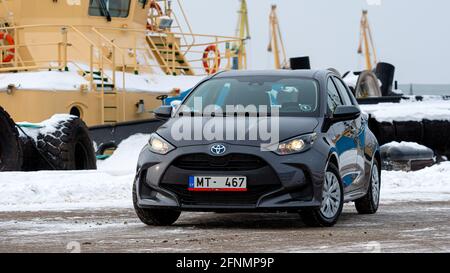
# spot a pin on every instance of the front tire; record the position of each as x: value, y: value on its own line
x: 154, y: 217
x: 369, y: 203
x: 332, y: 201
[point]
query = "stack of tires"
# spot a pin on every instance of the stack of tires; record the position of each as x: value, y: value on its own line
x: 65, y: 146
x: 434, y: 134
x: 375, y: 87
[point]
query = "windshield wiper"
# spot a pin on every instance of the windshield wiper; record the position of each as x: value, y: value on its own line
x: 104, y: 10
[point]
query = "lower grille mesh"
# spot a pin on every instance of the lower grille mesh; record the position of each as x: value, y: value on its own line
x: 250, y: 197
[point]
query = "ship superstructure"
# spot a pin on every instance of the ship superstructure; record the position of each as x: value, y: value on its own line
x: 106, y: 61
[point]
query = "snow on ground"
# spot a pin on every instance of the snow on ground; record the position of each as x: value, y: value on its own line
x: 430, y: 184
x: 432, y: 109
x: 125, y: 158
x: 110, y: 186
x: 64, y: 190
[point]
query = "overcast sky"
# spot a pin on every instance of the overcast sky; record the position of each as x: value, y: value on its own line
x: 414, y: 35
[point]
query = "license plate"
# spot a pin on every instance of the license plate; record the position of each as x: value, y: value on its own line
x: 218, y: 183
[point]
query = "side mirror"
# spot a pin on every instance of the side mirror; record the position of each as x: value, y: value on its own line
x: 346, y: 113
x: 175, y: 104
x: 163, y: 112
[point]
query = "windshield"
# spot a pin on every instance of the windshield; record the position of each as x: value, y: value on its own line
x: 290, y: 96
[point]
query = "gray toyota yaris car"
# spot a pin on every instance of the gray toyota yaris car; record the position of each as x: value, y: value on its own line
x: 325, y: 155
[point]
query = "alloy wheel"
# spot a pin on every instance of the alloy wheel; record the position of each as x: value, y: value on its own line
x: 375, y: 185
x: 331, y: 198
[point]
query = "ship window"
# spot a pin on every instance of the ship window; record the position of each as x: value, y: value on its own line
x: 115, y: 8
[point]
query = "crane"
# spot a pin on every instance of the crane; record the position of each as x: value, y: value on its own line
x: 366, y: 41
x: 276, y: 40
x: 243, y: 32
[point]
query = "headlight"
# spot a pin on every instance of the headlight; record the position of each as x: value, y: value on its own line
x: 296, y: 145
x: 158, y: 145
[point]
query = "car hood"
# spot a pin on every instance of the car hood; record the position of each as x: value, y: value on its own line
x: 289, y: 127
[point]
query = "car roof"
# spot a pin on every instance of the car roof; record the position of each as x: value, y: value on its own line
x: 313, y: 74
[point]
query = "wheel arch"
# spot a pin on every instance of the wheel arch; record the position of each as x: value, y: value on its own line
x: 333, y: 158
x: 377, y: 157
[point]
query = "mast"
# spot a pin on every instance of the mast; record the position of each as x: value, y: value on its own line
x: 276, y: 40
x: 243, y: 32
x: 366, y: 41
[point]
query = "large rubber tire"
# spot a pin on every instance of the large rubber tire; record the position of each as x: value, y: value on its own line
x: 10, y: 148
x: 32, y: 159
x: 154, y: 217
x: 314, y: 217
x: 368, y: 204
x: 367, y: 86
x: 69, y: 147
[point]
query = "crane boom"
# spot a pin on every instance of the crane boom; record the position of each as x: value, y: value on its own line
x: 243, y: 32
x: 366, y: 41
x: 276, y: 40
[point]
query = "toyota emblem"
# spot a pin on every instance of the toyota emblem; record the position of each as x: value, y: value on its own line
x: 218, y: 149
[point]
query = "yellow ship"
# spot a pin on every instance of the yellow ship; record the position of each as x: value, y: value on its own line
x: 106, y: 61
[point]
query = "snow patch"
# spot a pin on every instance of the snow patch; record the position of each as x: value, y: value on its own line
x: 43, y: 80
x: 429, y: 184
x: 46, y: 127
x: 35, y: 191
x: 124, y: 159
x: 431, y: 109
x: 108, y: 187
x: 351, y: 79
x: 404, y: 144
x: 72, y: 81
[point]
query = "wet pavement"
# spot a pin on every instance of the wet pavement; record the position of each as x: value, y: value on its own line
x: 398, y: 227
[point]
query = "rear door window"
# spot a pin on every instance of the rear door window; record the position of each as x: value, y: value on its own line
x: 343, y: 92
x: 334, y: 99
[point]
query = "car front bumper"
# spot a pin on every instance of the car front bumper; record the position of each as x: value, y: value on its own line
x: 275, y: 183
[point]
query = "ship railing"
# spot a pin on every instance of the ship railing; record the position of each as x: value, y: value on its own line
x: 225, y: 57
x: 87, y: 44
x: 189, y: 39
x: 61, y: 51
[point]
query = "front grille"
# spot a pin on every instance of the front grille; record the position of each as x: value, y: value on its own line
x: 250, y: 197
x: 232, y: 162
x: 261, y: 178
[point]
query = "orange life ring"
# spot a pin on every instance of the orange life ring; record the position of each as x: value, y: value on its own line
x: 206, y: 64
x: 151, y: 25
x: 7, y: 39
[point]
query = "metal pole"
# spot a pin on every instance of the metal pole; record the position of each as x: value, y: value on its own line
x: 91, y: 65
x: 65, y: 40
x: 16, y: 48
